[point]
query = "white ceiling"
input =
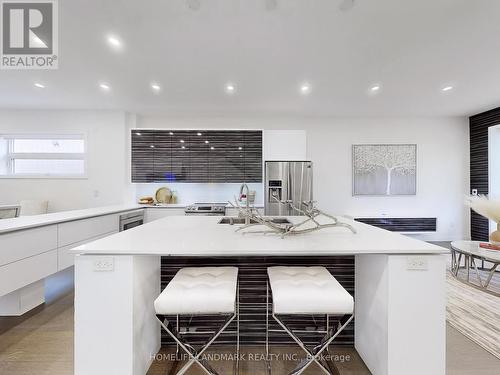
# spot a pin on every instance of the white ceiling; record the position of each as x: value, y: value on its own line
x: 412, y: 48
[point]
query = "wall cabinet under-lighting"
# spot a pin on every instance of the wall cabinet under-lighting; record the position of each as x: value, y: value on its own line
x: 196, y: 155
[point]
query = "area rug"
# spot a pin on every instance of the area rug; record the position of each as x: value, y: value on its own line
x: 474, y: 313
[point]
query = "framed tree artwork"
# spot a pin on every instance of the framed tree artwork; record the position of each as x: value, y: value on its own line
x: 384, y: 169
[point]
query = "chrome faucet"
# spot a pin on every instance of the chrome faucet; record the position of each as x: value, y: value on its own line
x: 247, y: 193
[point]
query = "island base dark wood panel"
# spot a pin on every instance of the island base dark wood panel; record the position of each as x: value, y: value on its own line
x: 252, y: 284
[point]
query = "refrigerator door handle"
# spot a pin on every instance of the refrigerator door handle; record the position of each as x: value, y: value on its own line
x: 291, y: 169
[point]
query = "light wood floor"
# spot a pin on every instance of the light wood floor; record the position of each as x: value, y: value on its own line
x: 253, y: 362
x: 41, y: 343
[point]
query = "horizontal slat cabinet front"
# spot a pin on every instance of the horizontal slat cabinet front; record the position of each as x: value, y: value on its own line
x: 196, y: 156
x: 24, y: 272
x: 81, y: 230
x: 23, y: 244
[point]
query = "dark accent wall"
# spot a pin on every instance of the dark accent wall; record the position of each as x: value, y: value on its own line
x: 478, y: 133
x: 184, y: 156
x: 399, y: 224
x: 252, y: 282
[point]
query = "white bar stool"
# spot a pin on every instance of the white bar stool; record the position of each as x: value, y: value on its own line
x: 200, y: 291
x: 310, y: 291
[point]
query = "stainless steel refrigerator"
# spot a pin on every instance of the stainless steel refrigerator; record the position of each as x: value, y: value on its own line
x: 287, y: 182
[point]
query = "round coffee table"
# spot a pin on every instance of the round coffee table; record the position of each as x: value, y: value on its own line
x: 470, y: 252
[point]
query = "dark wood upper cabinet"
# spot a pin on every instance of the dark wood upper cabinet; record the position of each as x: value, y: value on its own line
x: 196, y: 156
x: 143, y: 156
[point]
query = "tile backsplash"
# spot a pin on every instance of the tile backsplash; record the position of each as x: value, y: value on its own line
x: 188, y: 193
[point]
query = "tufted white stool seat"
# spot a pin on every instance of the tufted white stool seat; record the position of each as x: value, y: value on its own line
x: 199, y: 290
x: 308, y: 290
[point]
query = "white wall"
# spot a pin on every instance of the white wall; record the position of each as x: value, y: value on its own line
x: 442, y: 169
x: 107, y: 179
x: 188, y: 193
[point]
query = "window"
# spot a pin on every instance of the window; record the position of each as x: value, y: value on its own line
x: 42, y: 155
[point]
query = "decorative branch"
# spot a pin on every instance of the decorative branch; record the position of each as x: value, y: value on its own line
x: 308, y: 210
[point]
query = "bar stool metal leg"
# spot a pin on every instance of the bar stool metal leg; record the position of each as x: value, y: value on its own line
x: 198, y: 292
x: 237, y: 361
x: 268, y: 360
x: 324, y: 295
x: 315, y: 354
x: 194, y: 355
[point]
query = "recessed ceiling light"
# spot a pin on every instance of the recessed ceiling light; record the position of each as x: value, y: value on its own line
x: 230, y: 88
x: 240, y: 148
x: 152, y: 146
x: 114, y: 42
x: 206, y: 142
x: 447, y: 88
x: 198, y: 134
x: 305, y: 88
x: 170, y: 133
x: 138, y: 133
x: 104, y: 86
x: 182, y: 140
x: 183, y: 147
x: 212, y: 148
x: 155, y: 87
x: 39, y: 85
x: 375, y: 89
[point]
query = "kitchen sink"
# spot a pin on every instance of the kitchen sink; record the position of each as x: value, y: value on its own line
x: 241, y: 220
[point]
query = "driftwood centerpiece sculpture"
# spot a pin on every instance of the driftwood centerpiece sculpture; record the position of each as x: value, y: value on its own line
x: 308, y: 225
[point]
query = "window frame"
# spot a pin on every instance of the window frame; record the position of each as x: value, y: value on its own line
x: 11, y: 156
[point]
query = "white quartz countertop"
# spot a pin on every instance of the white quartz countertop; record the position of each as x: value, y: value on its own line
x: 182, y: 205
x: 26, y: 222
x: 164, y: 205
x: 202, y: 236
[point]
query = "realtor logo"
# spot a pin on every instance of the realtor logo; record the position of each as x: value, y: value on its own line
x: 29, y: 34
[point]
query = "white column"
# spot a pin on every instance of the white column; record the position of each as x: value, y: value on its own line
x: 116, y: 331
x: 400, y: 314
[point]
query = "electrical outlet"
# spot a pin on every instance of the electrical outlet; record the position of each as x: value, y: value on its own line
x: 417, y: 264
x: 104, y: 264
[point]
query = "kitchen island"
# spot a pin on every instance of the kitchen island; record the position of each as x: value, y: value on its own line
x: 399, y: 289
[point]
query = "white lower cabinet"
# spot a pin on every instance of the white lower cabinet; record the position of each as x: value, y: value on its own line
x: 29, y: 256
x: 153, y: 214
x: 66, y: 259
x: 16, y: 275
x: 81, y: 230
x: 23, y: 244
